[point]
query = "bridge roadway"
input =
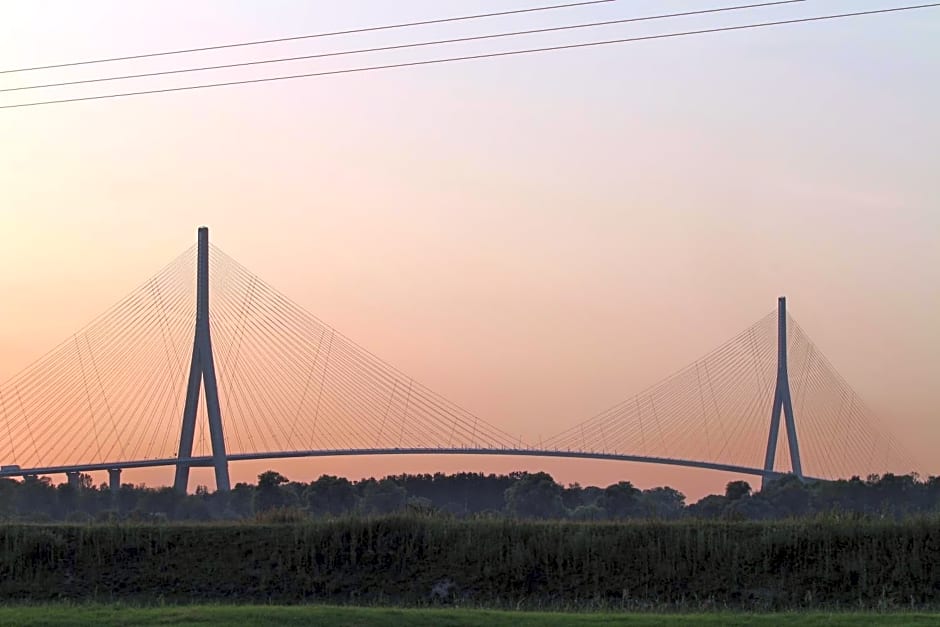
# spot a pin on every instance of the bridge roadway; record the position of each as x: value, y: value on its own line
x: 202, y: 461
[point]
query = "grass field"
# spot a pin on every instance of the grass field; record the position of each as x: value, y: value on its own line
x: 104, y: 615
x: 407, y: 560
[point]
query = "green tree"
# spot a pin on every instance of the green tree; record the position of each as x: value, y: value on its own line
x: 383, y: 497
x: 711, y: 506
x: 330, y: 495
x: 588, y: 512
x: 535, y: 496
x: 241, y: 500
x: 665, y: 502
x: 269, y: 494
x: 736, y: 490
x: 8, y: 493
x: 621, y: 500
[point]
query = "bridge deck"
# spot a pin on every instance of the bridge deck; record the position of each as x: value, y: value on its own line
x: 511, y: 452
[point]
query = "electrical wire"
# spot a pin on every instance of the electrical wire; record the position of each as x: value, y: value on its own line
x: 434, y: 42
x: 489, y: 55
x: 367, y: 29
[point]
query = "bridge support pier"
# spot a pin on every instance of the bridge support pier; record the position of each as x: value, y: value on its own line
x: 202, y: 369
x: 74, y: 479
x: 782, y: 403
x: 114, y: 480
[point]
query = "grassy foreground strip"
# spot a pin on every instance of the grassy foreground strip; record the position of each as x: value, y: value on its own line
x: 748, y: 566
x: 207, y: 615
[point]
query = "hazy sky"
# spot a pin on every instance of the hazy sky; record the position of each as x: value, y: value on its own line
x: 534, y: 237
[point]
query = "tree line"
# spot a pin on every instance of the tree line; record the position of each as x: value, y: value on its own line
x: 521, y: 495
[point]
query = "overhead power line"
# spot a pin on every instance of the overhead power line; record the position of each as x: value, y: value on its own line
x: 488, y: 55
x: 419, y: 44
x: 367, y: 29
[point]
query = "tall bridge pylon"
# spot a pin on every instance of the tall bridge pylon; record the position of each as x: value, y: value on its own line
x: 202, y: 370
x: 782, y: 402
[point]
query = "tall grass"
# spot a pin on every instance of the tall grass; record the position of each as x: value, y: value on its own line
x: 423, y: 560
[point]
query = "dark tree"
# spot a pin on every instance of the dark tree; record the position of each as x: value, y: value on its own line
x: 535, y: 496
x: 330, y: 495
x: 382, y: 497
x: 737, y: 490
x: 664, y: 503
x: 269, y: 494
x: 621, y: 500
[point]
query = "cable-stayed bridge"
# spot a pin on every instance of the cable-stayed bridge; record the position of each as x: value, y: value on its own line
x: 170, y: 377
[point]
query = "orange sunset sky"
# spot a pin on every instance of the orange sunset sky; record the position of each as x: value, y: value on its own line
x: 536, y: 238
